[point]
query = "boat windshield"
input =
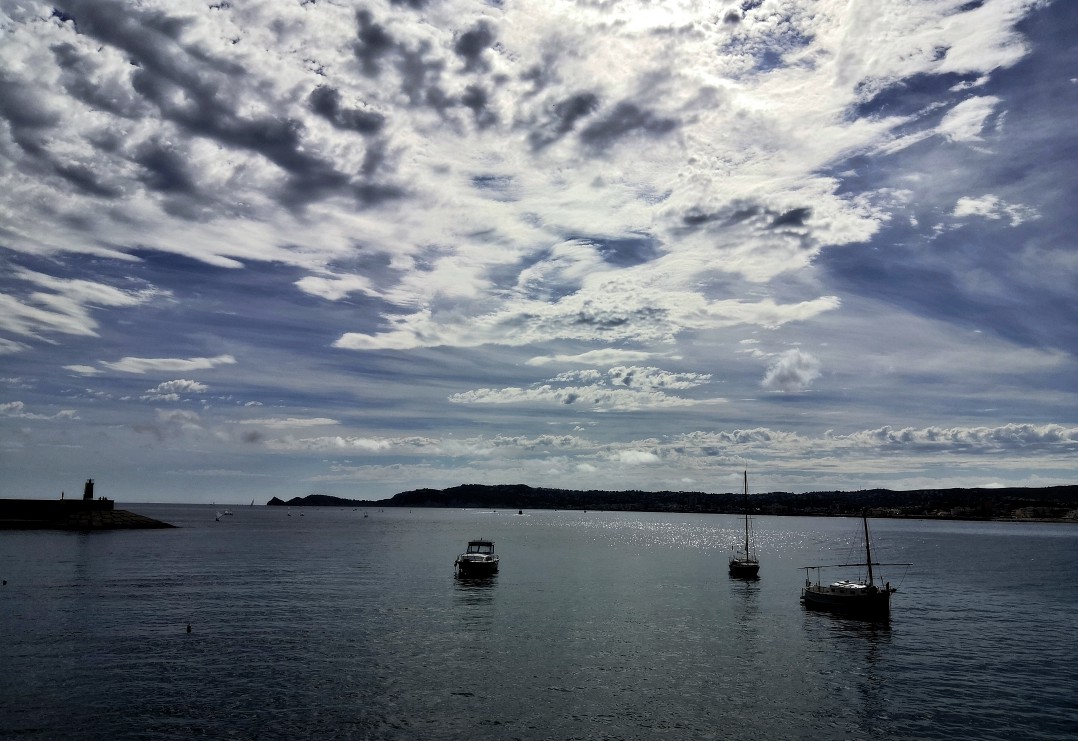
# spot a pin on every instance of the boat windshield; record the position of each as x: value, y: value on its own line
x: 480, y: 548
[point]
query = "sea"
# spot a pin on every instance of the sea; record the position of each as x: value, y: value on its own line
x: 349, y: 623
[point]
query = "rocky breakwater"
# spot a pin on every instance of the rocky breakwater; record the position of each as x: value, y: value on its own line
x: 71, y: 514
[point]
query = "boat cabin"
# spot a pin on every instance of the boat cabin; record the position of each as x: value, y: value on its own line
x: 849, y: 587
x: 480, y: 546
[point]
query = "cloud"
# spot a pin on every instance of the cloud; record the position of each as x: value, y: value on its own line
x: 61, y: 305
x: 10, y: 347
x: 84, y: 370
x: 459, y: 194
x: 608, y: 356
x: 791, y: 372
x: 636, y: 457
x: 603, y: 313
x: 586, y: 397
x: 17, y: 410
x: 1007, y: 437
x: 174, y: 424
x: 173, y: 390
x: 965, y: 121
x: 992, y: 207
x: 290, y: 422
x: 154, y: 365
x: 620, y: 389
x: 335, y: 287
x: 349, y: 444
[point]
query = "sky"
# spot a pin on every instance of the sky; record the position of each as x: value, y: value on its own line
x: 270, y: 248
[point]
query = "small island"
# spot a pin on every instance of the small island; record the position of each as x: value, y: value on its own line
x: 1054, y: 503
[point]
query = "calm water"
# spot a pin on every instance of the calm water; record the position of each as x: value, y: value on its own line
x: 599, y: 626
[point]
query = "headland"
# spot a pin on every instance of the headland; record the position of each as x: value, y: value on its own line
x: 1051, y: 504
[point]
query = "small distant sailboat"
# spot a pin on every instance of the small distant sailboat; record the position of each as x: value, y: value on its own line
x: 744, y: 564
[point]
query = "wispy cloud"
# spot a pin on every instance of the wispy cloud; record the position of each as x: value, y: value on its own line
x: 155, y: 365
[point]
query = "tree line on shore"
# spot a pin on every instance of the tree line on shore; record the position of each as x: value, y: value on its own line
x: 1047, y: 503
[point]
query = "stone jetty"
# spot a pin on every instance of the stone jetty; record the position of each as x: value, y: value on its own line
x: 86, y: 514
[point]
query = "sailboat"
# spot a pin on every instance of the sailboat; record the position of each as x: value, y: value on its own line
x: 744, y: 564
x: 864, y: 598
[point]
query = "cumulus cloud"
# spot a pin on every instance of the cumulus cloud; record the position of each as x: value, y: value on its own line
x: 636, y: 457
x: 586, y: 397
x: 621, y: 388
x: 643, y: 315
x: 1011, y: 436
x: 173, y: 390
x: 792, y: 371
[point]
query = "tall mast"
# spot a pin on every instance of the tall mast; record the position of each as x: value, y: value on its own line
x: 747, y: 556
x: 868, y: 550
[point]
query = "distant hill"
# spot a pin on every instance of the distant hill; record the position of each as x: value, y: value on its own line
x: 1049, y: 503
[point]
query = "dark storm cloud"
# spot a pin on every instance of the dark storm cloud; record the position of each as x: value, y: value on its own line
x: 793, y: 217
x: 625, y: 252
x: 476, y: 99
x: 83, y: 178
x: 326, y: 102
x: 372, y: 44
x: 420, y: 68
x: 206, y: 110
x: 626, y: 118
x: 26, y: 114
x: 471, y: 44
x: 420, y: 76
x: 737, y: 213
x: 563, y: 117
x: 76, y: 76
x: 165, y: 170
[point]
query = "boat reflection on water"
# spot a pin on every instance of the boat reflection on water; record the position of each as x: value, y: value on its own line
x: 475, y: 591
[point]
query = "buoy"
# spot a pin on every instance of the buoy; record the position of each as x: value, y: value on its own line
x: 188, y: 627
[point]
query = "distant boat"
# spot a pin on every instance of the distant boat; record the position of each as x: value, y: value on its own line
x: 217, y: 517
x: 744, y: 564
x: 227, y: 512
x: 478, y: 560
x: 864, y: 598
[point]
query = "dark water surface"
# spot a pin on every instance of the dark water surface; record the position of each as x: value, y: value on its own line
x: 599, y: 626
